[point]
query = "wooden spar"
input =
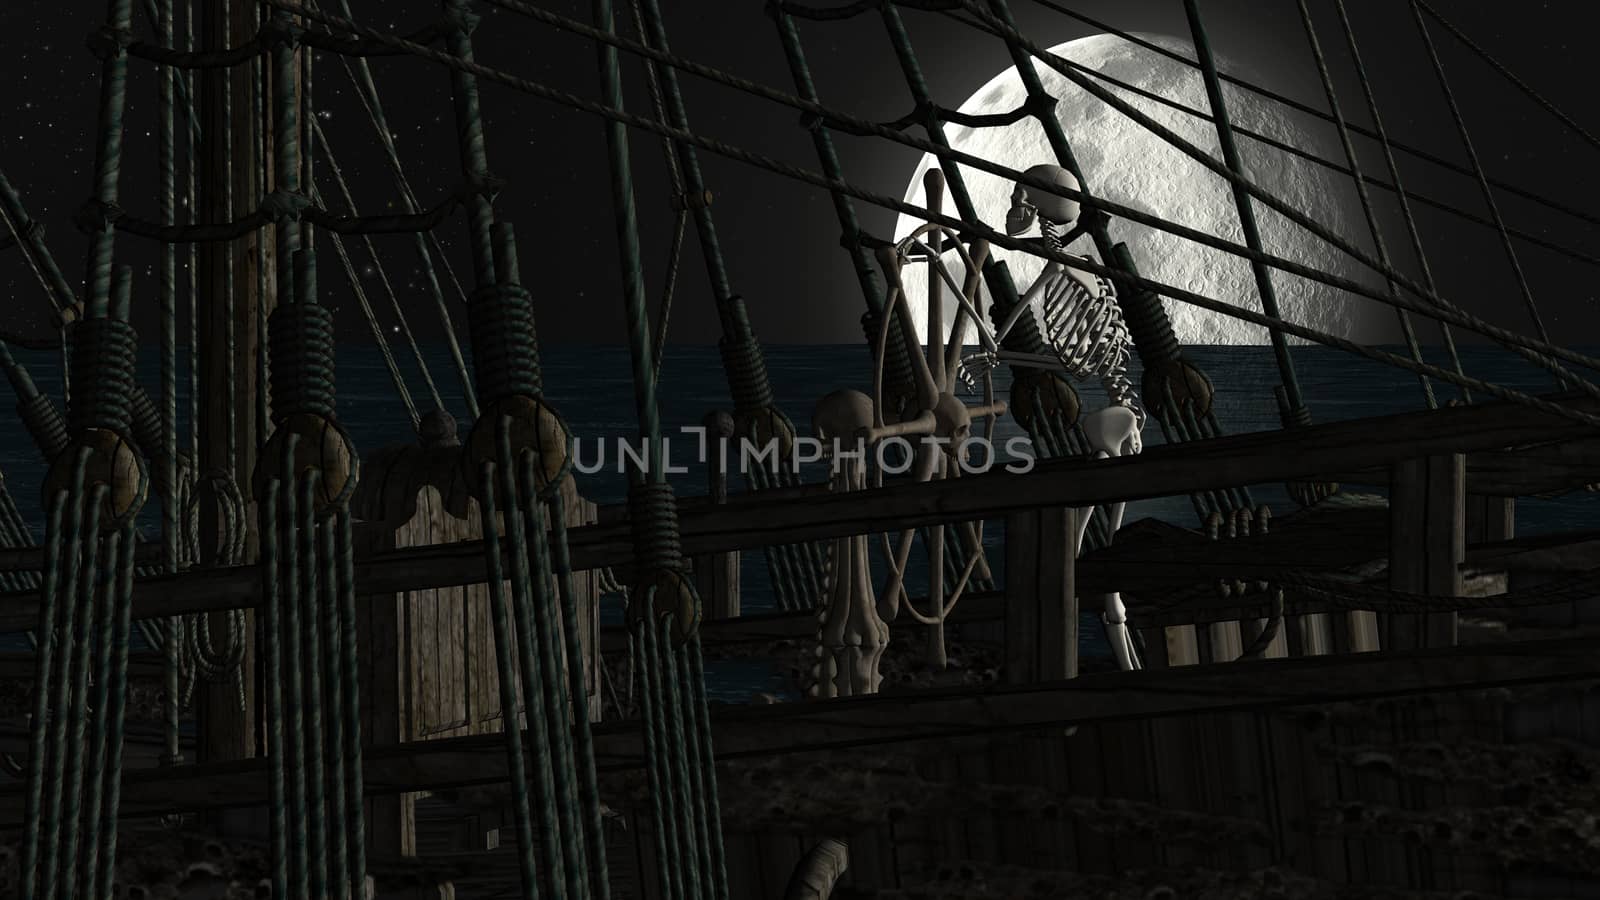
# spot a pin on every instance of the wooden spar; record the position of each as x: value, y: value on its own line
x: 758, y: 732
x: 228, y: 386
x: 1159, y: 471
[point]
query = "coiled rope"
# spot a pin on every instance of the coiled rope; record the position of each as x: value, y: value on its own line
x: 519, y: 454
x: 663, y: 608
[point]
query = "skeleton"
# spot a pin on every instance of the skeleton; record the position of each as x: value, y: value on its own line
x: 853, y: 630
x: 1078, y: 316
x: 854, y: 626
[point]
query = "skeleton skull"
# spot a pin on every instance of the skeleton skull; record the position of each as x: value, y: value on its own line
x: 1028, y: 203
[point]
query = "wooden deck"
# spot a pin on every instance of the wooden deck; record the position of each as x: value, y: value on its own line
x: 919, y: 716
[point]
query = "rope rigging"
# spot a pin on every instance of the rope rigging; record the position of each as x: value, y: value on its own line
x: 1516, y: 82
x: 1477, y: 171
x: 1265, y: 140
x: 1543, y: 354
x: 663, y: 607
x: 360, y: 76
x: 517, y: 460
x: 796, y: 569
x: 1297, y: 106
x: 1361, y: 192
x: 518, y: 455
x: 1418, y: 251
x: 93, y: 491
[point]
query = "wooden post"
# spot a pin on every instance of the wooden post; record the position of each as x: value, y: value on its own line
x: 1427, y: 543
x: 717, y: 574
x: 1490, y: 519
x: 224, y: 730
x: 1041, y: 627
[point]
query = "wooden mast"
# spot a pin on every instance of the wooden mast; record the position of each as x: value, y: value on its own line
x: 231, y: 169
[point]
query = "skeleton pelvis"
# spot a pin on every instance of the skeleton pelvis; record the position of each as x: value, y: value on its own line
x: 1108, y: 429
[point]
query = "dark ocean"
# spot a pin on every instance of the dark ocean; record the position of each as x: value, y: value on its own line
x: 592, y: 388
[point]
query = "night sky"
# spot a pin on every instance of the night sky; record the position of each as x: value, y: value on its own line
x: 780, y: 238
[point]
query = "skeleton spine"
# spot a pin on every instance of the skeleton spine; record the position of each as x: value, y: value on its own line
x: 1087, y: 331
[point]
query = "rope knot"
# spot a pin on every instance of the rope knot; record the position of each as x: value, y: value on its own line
x: 108, y: 41
x: 527, y: 424
x: 103, y: 352
x: 811, y: 120
x: 284, y: 206
x: 662, y: 589
x: 109, y: 459
x: 96, y: 216
x: 280, y: 34
x: 505, y: 344
x: 747, y: 374
x: 1040, y: 105
x: 480, y: 184
x: 683, y: 201
x: 459, y: 18
x: 300, y: 341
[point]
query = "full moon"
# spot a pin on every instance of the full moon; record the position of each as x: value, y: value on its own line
x: 1124, y: 163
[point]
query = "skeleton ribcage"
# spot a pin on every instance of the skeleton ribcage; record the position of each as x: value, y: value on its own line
x: 1087, y: 333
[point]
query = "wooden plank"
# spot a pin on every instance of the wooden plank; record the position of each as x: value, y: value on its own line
x: 1182, y: 645
x: 1085, y: 755
x: 931, y: 715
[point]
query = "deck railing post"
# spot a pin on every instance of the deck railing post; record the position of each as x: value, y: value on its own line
x: 717, y: 574
x: 1041, y: 624
x: 1427, y: 544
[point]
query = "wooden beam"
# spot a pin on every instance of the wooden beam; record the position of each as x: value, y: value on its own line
x: 1571, y: 551
x: 980, y: 606
x: 759, y: 732
x: 1522, y: 472
x: 1158, y: 472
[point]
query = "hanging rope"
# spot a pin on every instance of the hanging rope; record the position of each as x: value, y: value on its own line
x: 94, y: 491
x: 664, y: 608
x: 796, y: 569
x: 306, y: 474
x: 518, y: 454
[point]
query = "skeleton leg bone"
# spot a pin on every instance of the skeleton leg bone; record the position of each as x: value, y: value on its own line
x: 1112, y: 432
